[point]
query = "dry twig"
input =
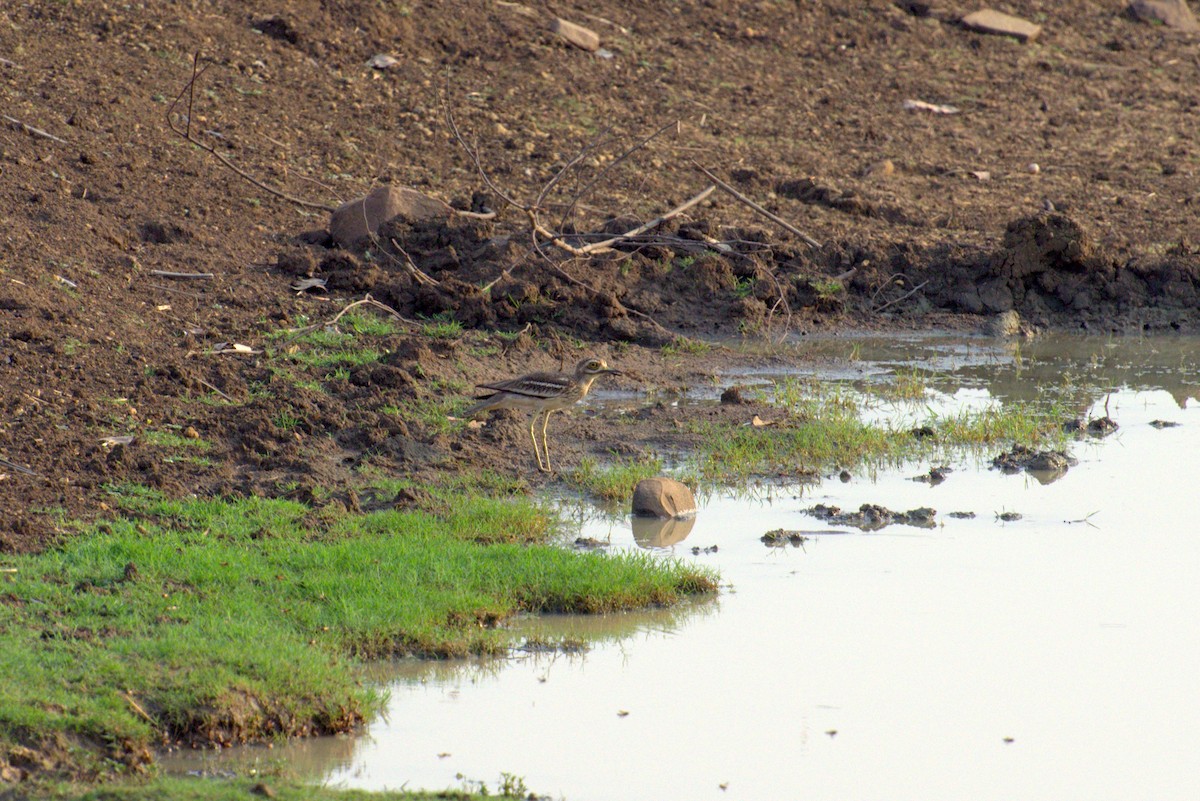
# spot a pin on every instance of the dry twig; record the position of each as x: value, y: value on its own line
x: 417, y: 275
x: 186, y: 132
x: 14, y: 466
x: 907, y: 294
x: 739, y: 197
x: 29, y: 129
x: 182, y: 276
x: 202, y: 382
x: 366, y: 301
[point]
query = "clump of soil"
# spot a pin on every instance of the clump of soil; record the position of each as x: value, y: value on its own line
x: 872, y: 517
x: 1022, y: 457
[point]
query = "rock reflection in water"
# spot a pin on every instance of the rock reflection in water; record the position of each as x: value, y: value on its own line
x: 649, y: 532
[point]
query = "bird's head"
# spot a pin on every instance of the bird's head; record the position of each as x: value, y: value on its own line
x: 593, y: 367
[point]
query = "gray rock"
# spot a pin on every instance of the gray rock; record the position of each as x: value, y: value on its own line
x: 362, y: 216
x: 581, y: 37
x: 663, y: 498
x: 1172, y: 13
x: 990, y: 21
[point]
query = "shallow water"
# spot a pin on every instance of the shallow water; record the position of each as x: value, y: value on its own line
x: 1053, y: 657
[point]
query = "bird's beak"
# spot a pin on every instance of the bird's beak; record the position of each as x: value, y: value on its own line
x: 611, y: 372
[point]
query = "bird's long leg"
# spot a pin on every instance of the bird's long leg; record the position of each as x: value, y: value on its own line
x: 537, y: 453
x: 545, y: 444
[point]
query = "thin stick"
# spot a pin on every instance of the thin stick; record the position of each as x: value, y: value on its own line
x: 620, y: 28
x: 612, y: 164
x: 8, y: 570
x: 641, y: 229
x: 471, y: 153
x: 738, y: 196
x: 167, y: 274
x: 17, y: 467
x: 186, y: 133
x: 367, y: 301
x: 912, y: 291
x: 138, y: 708
x: 214, y: 389
x: 35, y: 131
x: 588, y: 148
x: 418, y: 275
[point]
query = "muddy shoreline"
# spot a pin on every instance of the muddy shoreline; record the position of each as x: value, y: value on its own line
x: 923, y: 219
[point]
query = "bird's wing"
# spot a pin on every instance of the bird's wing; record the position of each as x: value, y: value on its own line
x: 534, y: 385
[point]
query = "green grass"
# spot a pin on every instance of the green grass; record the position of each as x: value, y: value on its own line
x: 442, y: 327
x: 822, y: 428
x: 247, y: 619
x: 336, y: 347
x: 615, y: 480
x: 433, y: 412
x: 166, y: 788
x: 166, y: 439
x: 683, y: 345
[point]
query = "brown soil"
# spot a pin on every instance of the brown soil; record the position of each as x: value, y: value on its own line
x: 925, y: 219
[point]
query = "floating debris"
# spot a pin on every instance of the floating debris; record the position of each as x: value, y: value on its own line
x: 1164, y: 424
x: 963, y: 515
x: 780, y: 537
x: 935, y: 476
x: 872, y: 517
x: 589, y: 543
x: 1097, y: 426
x: 1022, y: 457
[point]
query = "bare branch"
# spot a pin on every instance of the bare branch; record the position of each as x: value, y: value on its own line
x: 366, y: 301
x: 186, y: 133
x: 738, y: 196
x: 473, y: 154
x: 29, y: 129
x: 418, y: 276
x: 609, y: 167
x: 911, y: 292
x: 167, y: 274
x: 600, y: 247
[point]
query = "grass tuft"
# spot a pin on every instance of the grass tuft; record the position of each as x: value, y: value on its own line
x: 228, y: 621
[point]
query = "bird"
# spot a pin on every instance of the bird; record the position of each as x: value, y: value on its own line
x: 543, y: 394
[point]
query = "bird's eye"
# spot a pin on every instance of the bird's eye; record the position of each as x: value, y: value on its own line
x: 594, y: 365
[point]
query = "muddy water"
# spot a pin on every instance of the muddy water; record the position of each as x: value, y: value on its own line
x: 1056, y: 656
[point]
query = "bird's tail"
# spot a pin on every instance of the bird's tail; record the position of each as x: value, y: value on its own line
x: 479, y: 408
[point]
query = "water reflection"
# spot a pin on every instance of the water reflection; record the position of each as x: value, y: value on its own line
x: 1039, y: 645
x: 649, y: 532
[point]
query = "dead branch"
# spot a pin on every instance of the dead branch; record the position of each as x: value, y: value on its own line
x: 182, y: 276
x: 29, y: 129
x: 366, y: 301
x: 214, y: 389
x: 611, y: 165
x: 600, y: 247
x: 17, y: 467
x: 473, y: 153
x: 186, y: 132
x: 739, y: 197
x: 580, y: 156
x: 907, y: 294
x: 418, y: 276
x: 138, y: 708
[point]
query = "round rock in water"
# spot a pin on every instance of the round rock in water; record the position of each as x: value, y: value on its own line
x: 663, y: 498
